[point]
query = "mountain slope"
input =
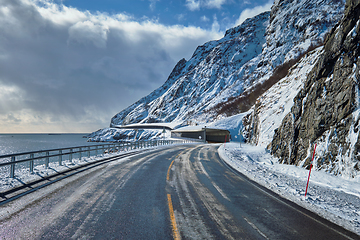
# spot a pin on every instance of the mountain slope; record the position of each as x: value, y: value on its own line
x: 295, y: 28
x: 193, y: 83
x: 221, y: 71
x: 225, y: 77
x: 266, y: 115
x: 327, y: 110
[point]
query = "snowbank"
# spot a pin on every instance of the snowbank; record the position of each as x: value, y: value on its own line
x: 334, y: 198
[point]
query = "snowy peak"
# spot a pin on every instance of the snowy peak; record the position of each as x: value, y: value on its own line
x: 192, y: 84
x: 226, y: 76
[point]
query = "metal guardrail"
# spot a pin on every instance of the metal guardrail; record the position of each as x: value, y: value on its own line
x: 80, y: 151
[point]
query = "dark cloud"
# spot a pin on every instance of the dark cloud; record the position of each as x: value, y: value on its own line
x: 61, y: 68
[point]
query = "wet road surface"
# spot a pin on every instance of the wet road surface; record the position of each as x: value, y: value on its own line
x: 183, y: 192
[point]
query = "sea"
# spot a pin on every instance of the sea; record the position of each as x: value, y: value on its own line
x: 18, y: 143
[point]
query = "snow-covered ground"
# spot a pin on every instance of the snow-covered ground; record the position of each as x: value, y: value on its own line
x: 332, y: 197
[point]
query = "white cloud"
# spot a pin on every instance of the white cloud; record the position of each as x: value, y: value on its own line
x: 214, y: 3
x: 62, y: 69
x: 180, y: 17
x: 204, y: 19
x: 153, y: 4
x: 88, y: 31
x: 251, y: 12
x: 215, y: 26
x: 194, y: 5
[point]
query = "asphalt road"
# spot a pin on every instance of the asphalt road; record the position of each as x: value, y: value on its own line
x: 183, y: 192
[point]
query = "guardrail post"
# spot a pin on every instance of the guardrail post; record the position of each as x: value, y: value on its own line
x: 47, y: 160
x: 70, y: 155
x: 60, y: 158
x: 96, y: 150
x: 12, y: 167
x: 31, y: 163
x: 88, y: 152
x: 80, y: 154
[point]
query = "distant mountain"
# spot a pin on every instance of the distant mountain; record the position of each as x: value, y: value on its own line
x: 193, y: 84
x: 226, y: 77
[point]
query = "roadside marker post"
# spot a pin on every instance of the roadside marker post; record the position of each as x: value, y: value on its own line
x: 311, y: 164
x: 240, y: 136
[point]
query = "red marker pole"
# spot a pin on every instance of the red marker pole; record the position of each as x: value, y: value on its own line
x: 225, y: 140
x: 310, y: 170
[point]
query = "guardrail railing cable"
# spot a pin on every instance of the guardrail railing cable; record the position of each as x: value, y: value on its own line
x: 46, y: 155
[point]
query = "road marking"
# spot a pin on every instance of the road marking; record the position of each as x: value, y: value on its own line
x: 168, y: 172
x: 175, y: 231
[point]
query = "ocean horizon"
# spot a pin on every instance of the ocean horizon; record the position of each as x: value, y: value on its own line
x: 26, y: 142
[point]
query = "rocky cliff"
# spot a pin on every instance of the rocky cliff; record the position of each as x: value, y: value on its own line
x: 326, y: 110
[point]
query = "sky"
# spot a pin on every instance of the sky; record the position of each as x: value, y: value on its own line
x: 68, y: 66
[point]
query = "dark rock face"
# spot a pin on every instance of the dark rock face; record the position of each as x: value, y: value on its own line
x: 326, y: 109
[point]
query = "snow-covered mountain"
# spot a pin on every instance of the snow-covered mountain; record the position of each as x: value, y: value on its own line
x: 225, y: 77
x: 245, y: 57
x: 193, y: 84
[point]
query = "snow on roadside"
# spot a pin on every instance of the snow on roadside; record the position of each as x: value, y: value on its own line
x: 334, y: 198
x: 23, y: 175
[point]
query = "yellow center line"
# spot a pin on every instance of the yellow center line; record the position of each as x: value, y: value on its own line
x: 175, y: 230
x: 168, y: 172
